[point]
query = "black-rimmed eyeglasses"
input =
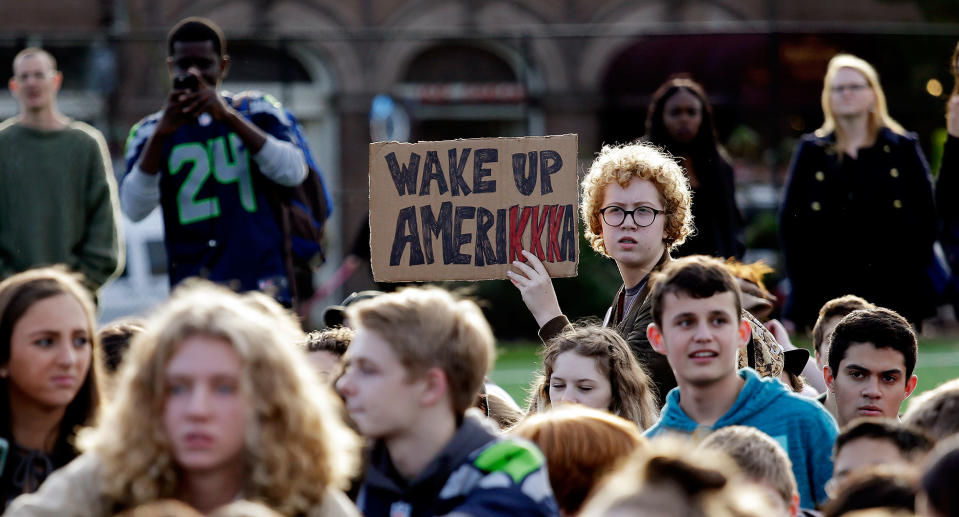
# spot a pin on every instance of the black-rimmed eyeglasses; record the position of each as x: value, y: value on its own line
x: 642, y: 215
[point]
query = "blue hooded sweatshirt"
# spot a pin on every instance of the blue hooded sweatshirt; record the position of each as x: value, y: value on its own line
x: 804, y: 429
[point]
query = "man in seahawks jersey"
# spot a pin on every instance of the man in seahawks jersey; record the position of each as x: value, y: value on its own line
x: 210, y: 161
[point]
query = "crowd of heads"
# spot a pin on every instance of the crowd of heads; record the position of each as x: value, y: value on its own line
x: 225, y: 390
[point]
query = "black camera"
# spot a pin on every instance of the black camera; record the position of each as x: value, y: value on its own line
x: 186, y: 82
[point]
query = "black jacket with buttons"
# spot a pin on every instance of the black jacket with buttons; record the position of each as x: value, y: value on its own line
x: 861, y: 226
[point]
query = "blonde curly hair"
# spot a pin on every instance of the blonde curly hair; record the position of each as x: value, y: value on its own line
x: 622, y: 163
x: 297, y: 446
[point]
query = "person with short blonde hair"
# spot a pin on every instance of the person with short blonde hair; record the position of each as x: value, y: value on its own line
x: 413, y: 368
x: 214, y: 402
x: 625, y: 386
x: 429, y: 328
x: 761, y: 459
x: 581, y: 445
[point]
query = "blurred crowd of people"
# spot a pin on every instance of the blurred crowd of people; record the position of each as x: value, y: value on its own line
x: 687, y: 399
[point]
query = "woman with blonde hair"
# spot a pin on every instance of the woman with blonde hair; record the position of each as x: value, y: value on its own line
x: 49, y: 374
x: 593, y: 366
x: 858, y: 215
x: 581, y: 445
x: 214, y: 403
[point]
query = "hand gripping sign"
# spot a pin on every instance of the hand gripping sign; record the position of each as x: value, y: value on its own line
x: 465, y: 209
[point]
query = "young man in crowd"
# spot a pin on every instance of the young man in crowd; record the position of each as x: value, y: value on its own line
x: 413, y: 368
x: 216, y: 163
x: 58, y: 198
x: 697, y: 325
x: 829, y: 316
x: 871, y: 357
x: 877, y: 441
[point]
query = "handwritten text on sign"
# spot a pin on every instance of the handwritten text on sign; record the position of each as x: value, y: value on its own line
x: 465, y: 209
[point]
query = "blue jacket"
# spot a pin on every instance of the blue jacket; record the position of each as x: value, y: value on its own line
x: 217, y: 218
x: 477, y: 473
x: 804, y: 429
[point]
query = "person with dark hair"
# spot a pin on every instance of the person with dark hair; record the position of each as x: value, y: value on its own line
x: 872, y: 355
x: 217, y: 164
x: 325, y: 350
x: 680, y: 120
x: 49, y: 375
x: 58, y: 196
x: 115, y: 338
x: 875, y: 487
x: 938, y: 496
x: 830, y: 314
x: 856, y: 181
x: 698, y: 326
x: 874, y: 441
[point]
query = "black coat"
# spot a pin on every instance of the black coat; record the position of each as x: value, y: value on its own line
x: 863, y: 226
x: 947, y: 203
x: 718, y: 221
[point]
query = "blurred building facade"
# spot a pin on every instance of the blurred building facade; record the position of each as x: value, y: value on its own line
x: 483, y: 68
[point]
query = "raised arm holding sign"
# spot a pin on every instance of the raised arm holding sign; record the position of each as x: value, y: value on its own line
x: 636, y: 206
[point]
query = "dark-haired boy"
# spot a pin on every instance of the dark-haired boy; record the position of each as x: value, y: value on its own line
x: 829, y: 316
x: 209, y: 159
x: 697, y: 325
x: 875, y: 441
x: 872, y: 355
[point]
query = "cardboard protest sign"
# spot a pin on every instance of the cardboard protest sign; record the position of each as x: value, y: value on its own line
x: 465, y: 209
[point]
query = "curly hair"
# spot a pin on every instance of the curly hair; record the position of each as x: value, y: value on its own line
x: 622, y: 163
x: 297, y: 446
x: 633, y: 392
